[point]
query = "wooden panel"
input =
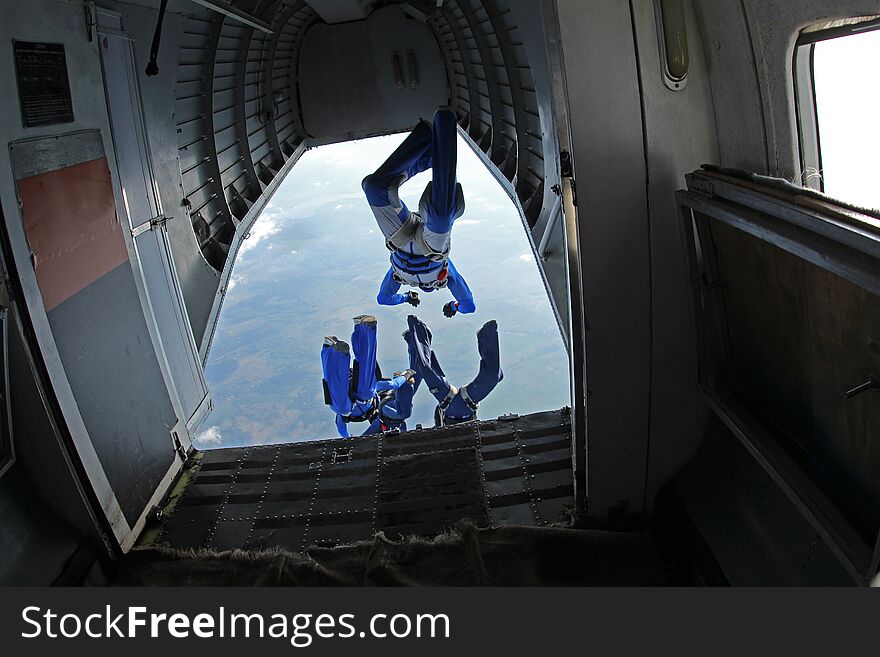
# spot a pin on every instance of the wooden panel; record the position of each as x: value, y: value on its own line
x: 800, y: 337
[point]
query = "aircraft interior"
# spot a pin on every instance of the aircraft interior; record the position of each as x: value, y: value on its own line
x: 720, y: 311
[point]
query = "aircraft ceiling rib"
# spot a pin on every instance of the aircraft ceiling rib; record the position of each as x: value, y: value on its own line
x: 270, y: 108
x: 445, y: 33
x: 291, y: 132
x: 237, y: 123
x: 203, y: 192
x: 493, y: 92
x: 490, y: 142
x: 239, y: 116
x: 253, y: 186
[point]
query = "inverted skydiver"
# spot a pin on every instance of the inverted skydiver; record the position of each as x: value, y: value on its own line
x: 454, y: 404
x: 357, y: 393
x: 419, y: 241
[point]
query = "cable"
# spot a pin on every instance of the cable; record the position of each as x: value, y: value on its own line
x: 152, y: 67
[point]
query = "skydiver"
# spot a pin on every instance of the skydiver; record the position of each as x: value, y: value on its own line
x: 420, y: 241
x: 357, y: 393
x: 454, y: 404
x: 394, y: 404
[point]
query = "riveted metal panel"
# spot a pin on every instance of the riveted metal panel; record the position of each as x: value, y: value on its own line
x: 511, y: 471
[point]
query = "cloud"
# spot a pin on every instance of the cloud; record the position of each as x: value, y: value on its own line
x: 265, y: 226
x: 467, y: 222
x: 208, y: 438
x: 526, y: 257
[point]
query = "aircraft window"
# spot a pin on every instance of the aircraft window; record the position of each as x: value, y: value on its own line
x: 835, y: 72
x: 315, y: 259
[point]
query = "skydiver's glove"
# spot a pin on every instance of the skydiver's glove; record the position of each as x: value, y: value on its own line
x: 412, y: 298
x: 450, y: 309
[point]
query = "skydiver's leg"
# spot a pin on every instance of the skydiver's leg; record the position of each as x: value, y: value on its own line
x: 403, y: 401
x: 374, y: 428
x: 443, y: 202
x: 363, y: 341
x: 335, y: 362
x: 342, y: 427
x: 411, y: 157
x: 490, y: 373
x: 423, y: 359
x: 413, y: 357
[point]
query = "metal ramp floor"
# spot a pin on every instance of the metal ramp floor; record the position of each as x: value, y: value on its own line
x: 515, y: 470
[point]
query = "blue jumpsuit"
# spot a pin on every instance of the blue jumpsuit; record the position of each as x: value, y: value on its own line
x: 424, y: 260
x: 351, y: 399
x: 397, y: 407
x: 424, y: 362
x: 356, y: 400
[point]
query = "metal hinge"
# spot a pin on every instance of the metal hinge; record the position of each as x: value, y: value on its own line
x: 155, y: 222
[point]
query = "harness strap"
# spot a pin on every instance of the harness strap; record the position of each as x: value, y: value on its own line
x: 443, y: 405
x: 387, y: 422
x: 366, y: 416
x: 412, y: 231
x: 467, y: 399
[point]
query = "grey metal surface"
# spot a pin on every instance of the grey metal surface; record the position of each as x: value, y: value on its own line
x: 32, y: 157
x: 172, y: 333
x: 45, y: 458
x: 358, y: 81
x: 750, y: 46
x: 101, y: 336
x: 513, y: 470
x: 44, y: 20
x: 607, y: 135
x: 185, y: 368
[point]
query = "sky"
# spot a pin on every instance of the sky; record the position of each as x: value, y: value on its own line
x: 848, y: 107
x: 314, y: 260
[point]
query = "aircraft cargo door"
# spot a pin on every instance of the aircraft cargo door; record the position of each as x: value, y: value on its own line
x: 172, y: 332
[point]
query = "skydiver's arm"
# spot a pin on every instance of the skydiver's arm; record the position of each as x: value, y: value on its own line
x: 464, y: 300
x: 404, y: 399
x: 388, y: 295
x: 392, y: 384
